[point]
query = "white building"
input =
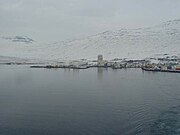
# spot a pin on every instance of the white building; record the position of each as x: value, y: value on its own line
x: 100, y: 60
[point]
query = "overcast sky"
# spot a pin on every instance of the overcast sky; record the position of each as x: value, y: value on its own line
x: 56, y: 20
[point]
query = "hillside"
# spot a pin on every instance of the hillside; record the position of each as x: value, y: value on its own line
x: 160, y: 40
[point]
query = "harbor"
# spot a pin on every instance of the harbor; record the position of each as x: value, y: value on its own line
x: 168, y: 64
x: 100, y: 62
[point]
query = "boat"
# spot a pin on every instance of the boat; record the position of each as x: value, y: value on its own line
x: 160, y: 70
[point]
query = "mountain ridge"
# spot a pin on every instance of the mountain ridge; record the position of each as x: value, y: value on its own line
x: 124, y: 43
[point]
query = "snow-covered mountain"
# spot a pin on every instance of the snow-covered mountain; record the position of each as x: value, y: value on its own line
x: 157, y: 41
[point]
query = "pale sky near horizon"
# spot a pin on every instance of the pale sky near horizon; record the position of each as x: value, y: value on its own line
x: 56, y: 20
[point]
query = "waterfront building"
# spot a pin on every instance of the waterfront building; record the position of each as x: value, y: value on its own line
x: 100, y: 61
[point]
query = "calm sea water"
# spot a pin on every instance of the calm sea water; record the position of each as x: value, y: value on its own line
x: 88, y: 102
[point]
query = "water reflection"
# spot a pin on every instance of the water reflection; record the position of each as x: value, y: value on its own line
x: 100, y: 73
x: 67, y: 69
x: 75, y: 72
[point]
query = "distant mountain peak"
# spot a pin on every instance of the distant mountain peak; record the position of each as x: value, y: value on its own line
x: 23, y: 39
